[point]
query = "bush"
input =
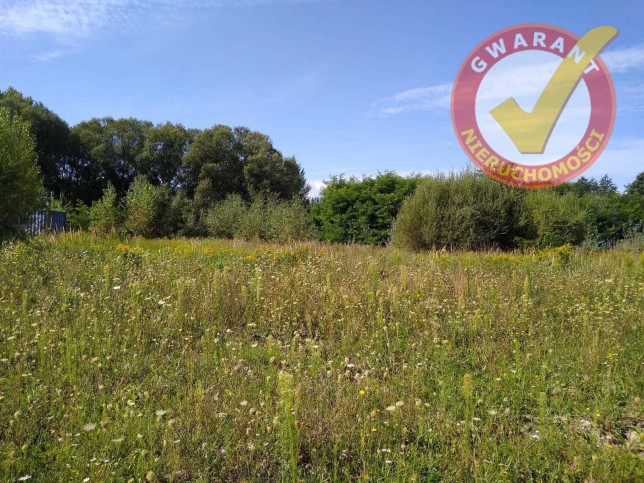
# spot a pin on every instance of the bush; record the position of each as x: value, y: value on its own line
x: 79, y: 216
x: 20, y: 185
x: 360, y: 211
x: 288, y: 221
x: 150, y: 211
x: 224, y: 218
x: 106, y: 214
x: 555, y: 220
x: 264, y: 219
x: 466, y: 210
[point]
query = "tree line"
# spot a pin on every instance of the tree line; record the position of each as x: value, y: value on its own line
x: 132, y: 177
x: 192, y: 169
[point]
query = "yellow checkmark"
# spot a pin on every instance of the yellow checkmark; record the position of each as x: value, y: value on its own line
x: 529, y: 131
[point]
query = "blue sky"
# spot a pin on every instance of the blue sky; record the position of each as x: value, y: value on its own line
x: 346, y: 86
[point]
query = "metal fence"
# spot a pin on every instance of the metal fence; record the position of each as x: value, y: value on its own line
x: 46, y: 221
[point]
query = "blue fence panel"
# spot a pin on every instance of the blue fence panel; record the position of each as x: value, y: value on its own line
x: 46, y: 221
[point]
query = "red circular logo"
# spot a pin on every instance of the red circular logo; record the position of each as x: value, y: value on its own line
x: 530, y: 131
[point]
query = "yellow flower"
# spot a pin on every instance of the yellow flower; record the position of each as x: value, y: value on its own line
x: 362, y: 392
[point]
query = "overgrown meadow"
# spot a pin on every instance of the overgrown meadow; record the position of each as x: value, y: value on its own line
x: 208, y: 360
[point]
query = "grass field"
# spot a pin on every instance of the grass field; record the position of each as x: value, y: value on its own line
x: 228, y: 361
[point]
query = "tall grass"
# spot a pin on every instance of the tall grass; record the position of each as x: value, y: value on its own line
x: 234, y: 361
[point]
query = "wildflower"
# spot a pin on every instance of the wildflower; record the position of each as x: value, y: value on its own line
x: 160, y: 412
x: 362, y: 392
x: 243, y: 403
x: 400, y: 404
x: 390, y: 408
x: 89, y: 427
x: 130, y: 402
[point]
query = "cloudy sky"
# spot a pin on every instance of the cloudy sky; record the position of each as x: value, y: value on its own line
x: 347, y: 86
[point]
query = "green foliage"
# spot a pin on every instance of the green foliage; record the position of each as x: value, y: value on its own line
x: 266, y: 172
x: 466, y: 210
x: 21, y: 188
x: 263, y: 219
x: 223, y: 219
x: 360, y: 211
x: 114, y: 148
x: 289, y: 221
x: 79, y: 216
x: 222, y: 161
x: 149, y: 210
x: 163, y: 151
x: 55, y: 150
x: 106, y: 214
x: 555, y: 220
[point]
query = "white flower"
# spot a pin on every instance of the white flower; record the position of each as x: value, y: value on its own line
x: 161, y: 412
x: 89, y: 427
x: 243, y: 403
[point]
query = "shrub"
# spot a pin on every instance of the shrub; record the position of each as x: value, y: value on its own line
x: 288, y: 221
x: 106, y: 214
x: 79, y: 216
x: 555, y: 220
x: 150, y: 211
x: 360, y: 211
x: 224, y: 218
x: 466, y: 210
x: 264, y: 219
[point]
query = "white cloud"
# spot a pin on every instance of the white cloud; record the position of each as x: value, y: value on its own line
x: 70, y: 20
x: 316, y: 187
x: 48, y: 56
x: 527, y: 80
x: 625, y: 59
x: 418, y: 99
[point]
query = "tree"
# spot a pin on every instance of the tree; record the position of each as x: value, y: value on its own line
x: 362, y: 211
x: 266, y: 171
x: 115, y: 149
x: 163, y: 151
x: 21, y: 188
x: 637, y: 186
x: 57, y: 154
x: 214, y: 167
